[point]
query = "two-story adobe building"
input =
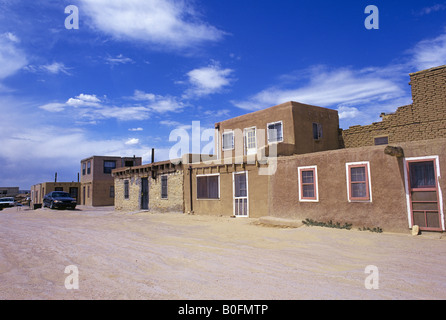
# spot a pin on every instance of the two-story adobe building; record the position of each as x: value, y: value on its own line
x: 97, y: 183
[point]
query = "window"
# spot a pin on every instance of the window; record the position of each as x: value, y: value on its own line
x: 83, y: 168
x: 208, y: 187
x: 422, y: 174
x: 128, y: 163
x: 228, y: 140
x: 58, y: 189
x: 275, y: 132
x: 358, y: 181
x: 317, y: 131
x: 381, y: 141
x: 112, y: 191
x: 308, y: 189
x: 109, y: 166
x: 126, y: 189
x: 88, y: 167
x: 163, y: 187
x: 250, y: 140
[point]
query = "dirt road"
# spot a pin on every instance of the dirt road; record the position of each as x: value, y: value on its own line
x: 173, y: 256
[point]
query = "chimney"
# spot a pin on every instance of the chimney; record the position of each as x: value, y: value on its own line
x: 55, y: 177
x: 153, y: 155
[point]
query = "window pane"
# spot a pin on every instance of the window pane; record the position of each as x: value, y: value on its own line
x: 381, y: 141
x: 422, y: 174
x: 240, y: 185
x: 308, y: 176
x: 317, y: 131
x: 164, y: 187
x: 359, y: 190
x: 207, y: 187
x: 357, y: 174
x: 228, y: 141
x: 213, y: 187
x: 308, y: 191
x: 109, y: 166
x: 275, y: 132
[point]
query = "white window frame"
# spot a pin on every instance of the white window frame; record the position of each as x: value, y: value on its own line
x: 347, y: 165
x: 267, y: 131
x: 438, y: 177
x: 223, y: 140
x: 245, y: 136
x: 316, y: 184
x: 207, y: 175
x: 233, y: 194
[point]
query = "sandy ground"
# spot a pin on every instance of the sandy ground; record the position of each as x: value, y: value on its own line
x: 174, y: 256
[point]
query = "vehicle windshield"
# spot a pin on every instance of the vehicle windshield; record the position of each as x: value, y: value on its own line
x: 61, y: 195
x: 6, y: 199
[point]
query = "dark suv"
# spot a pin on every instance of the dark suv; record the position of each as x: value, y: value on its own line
x: 59, y: 200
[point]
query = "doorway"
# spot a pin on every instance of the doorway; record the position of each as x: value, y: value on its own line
x: 424, y: 195
x: 240, y: 190
x: 144, y: 194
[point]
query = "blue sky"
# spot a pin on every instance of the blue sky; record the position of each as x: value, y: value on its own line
x: 135, y: 70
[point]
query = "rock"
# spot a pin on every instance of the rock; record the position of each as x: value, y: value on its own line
x: 415, y: 230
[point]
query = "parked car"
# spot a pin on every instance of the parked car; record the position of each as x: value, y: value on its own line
x: 7, y: 202
x: 59, y: 200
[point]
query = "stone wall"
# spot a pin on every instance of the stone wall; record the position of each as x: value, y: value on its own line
x: 173, y: 203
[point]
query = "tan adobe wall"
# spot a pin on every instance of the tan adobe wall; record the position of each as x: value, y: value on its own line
x: 424, y: 119
x: 224, y: 206
x: 388, y: 208
x: 173, y: 203
x: 38, y: 191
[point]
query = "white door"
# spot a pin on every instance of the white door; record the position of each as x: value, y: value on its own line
x: 240, y: 190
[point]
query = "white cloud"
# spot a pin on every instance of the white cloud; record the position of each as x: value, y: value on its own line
x: 166, y: 23
x: 84, y: 100
x: 208, y: 80
x: 136, y: 129
x: 132, y: 141
x: 12, y: 58
x: 54, y: 107
x: 434, y: 8
x: 348, y: 112
x: 120, y: 59
x: 158, y: 103
x: 330, y: 88
x: 53, y: 68
x: 430, y: 53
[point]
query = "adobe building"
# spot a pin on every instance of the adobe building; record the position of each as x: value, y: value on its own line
x: 9, y: 192
x: 97, y: 182
x: 38, y: 191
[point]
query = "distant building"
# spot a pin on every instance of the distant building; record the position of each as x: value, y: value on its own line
x: 97, y: 183
x: 9, y: 191
x: 38, y: 191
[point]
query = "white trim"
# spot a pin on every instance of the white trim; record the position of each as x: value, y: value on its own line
x: 267, y: 132
x: 367, y: 163
x: 233, y: 194
x: 207, y: 175
x: 316, y: 186
x: 223, y: 140
x: 245, y: 142
x: 406, y: 185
